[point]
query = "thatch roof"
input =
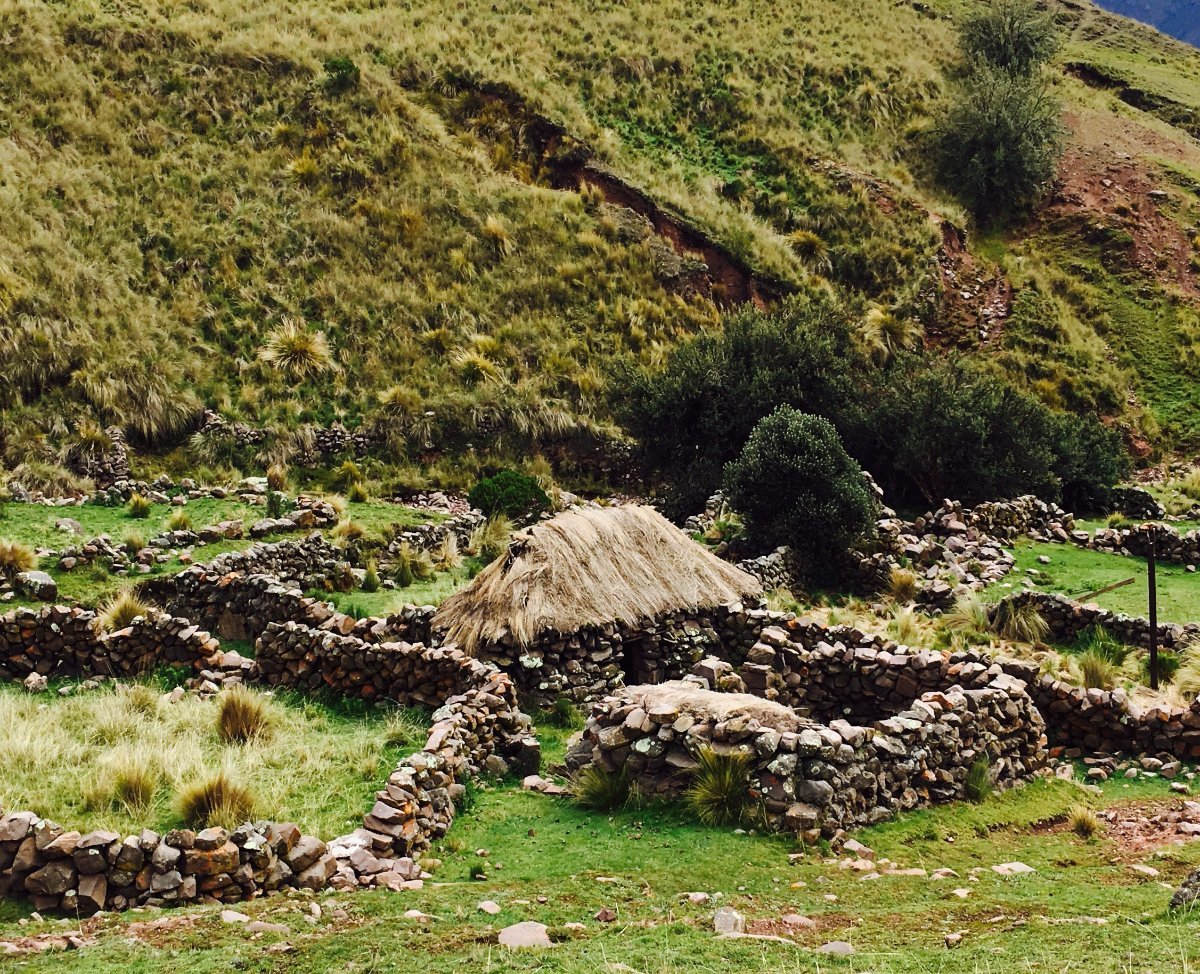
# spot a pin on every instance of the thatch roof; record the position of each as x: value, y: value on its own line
x: 589, y: 566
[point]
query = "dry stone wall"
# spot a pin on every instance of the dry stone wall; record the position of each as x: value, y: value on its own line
x: 811, y: 777
x: 1068, y: 618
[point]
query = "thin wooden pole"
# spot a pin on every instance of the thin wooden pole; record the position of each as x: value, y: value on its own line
x: 1153, y: 583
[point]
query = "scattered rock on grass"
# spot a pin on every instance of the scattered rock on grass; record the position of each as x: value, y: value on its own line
x: 527, y: 933
x: 728, y: 920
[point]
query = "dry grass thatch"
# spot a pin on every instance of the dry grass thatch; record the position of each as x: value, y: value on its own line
x: 587, y: 567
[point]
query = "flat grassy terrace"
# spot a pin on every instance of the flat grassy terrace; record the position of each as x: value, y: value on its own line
x: 1077, y: 571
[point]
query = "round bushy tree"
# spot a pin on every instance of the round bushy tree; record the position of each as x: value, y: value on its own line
x: 515, y: 495
x: 999, y: 141
x: 1016, y: 35
x: 795, y: 485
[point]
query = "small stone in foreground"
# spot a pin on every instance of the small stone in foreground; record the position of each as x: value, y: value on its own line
x: 728, y: 920
x: 839, y: 948
x: 1012, y: 869
x: 527, y: 933
x: 489, y: 907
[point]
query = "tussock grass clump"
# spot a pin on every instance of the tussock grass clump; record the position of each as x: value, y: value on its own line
x: 490, y: 540
x: 1187, y: 678
x: 277, y: 477
x: 349, y: 530
x: 128, y: 781
x: 1097, y: 670
x: 979, y: 780
x: 720, y: 788
x: 1083, y: 821
x: 905, y: 626
x: 600, y: 790
x: 1169, y: 664
x: 563, y: 713
x: 216, y: 801
x: 1189, y: 485
x: 357, y: 493
x: 133, y: 542
x: 138, y: 506
x: 297, y: 352
x: 968, y: 616
x: 180, y: 520
x: 902, y: 585
x: 241, y: 716
x: 412, y: 565
x: 446, y: 556
x: 15, y: 558
x: 370, y: 582
x: 1020, y: 622
x: 122, y: 610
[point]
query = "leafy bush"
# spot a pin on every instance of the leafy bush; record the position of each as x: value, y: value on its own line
x: 603, y: 791
x: 241, y: 716
x: 216, y: 801
x: 954, y: 429
x: 278, y: 503
x: 694, y: 416
x: 341, y: 74
x: 515, y: 495
x: 1014, y: 35
x: 795, y: 485
x: 138, y: 506
x: 15, y: 558
x: 720, y: 787
x: 999, y: 141
x: 978, y: 784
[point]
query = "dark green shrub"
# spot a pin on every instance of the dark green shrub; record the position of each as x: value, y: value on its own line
x: 278, y: 503
x: 1168, y: 666
x: 998, y: 143
x: 515, y: 495
x: 1014, y: 35
x: 695, y: 415
x: 795, y: 485
x: 341, y: 74
x: 564, y: 714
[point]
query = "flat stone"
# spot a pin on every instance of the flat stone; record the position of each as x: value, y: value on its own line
x: 839, y: 948
x: 527, y: 933
x: 728, y: 920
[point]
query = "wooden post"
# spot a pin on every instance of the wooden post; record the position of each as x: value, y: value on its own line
x: 1153, y: 584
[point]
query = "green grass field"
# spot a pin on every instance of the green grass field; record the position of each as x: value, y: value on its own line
x: 544, y: 859
x: 316, y: 765
x: 1078, y: 571
x: 33, y: 525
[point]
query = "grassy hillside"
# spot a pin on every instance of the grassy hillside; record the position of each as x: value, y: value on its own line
x: 371, y: 214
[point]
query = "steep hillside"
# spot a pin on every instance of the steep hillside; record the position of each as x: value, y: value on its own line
x: 449, y: 222
x: 1175, y: 17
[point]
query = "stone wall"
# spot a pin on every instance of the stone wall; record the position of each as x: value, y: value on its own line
x: 811, y: 777
x: 58, y: 642
x: 1170, y: 544
x: 477, y: 727
x: 1068, y: 618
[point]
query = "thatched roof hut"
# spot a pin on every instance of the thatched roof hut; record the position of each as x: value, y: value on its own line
x: 586, y: 567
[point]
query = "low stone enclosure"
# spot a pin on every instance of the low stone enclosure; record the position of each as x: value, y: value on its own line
x: 845, y: 728
x: 1066, y: 619
x: 477, y: 725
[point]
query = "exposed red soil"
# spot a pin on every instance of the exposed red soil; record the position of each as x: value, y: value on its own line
x: 1105, y: 181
